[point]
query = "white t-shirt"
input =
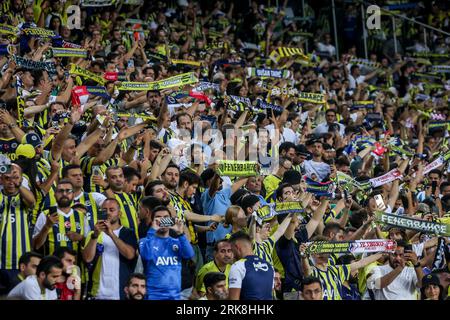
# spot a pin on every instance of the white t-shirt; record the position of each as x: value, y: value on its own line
x: 288, y: 134
x: 29, y: 289
x: 320, y: 169
x: 323, y: 128
x: 109, y: 288
x: 404, y: 286
x: 354, y: 82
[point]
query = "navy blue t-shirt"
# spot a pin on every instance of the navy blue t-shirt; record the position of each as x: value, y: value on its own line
x: 289, y: 254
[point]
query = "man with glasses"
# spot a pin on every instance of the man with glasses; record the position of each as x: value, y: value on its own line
x: 60, y: 226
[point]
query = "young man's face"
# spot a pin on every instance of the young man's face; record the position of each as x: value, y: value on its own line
x: 190, y: 191
x: 50, y: 280
x: 30, y: 268
x: 312, y: 291
x: 157, y: 218
x: 131, y: 186
x: 112, y: 210
x: 396, y: 258
x: 219, y: 291
x: 171, y: 177
x: 116, y: 179
x: 317, y: 149
x: 76, y: 177
x: 160, y: 191
x: 68, y: 261
x: 137, y: 289
x: 64, y: 195
x: 290, y: 154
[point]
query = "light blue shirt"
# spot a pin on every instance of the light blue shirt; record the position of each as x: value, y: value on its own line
x: 216, y: 205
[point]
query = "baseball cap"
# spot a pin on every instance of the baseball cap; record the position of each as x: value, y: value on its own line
x: 25, y: 150
x: 300, y: 149
x: 33, y: 139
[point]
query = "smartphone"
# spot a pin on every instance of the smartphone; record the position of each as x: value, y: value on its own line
x: 102, y: 215
x: 96, y: 171
x: 130, y: 63
x: 346, y: 195
x: 380, y: 203
x: 166, y: 222
x: 377, y: 135
x: 433, y: 186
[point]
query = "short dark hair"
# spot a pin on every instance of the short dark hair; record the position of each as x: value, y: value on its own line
x: 279, y: 190
x: 112, y: 168
x: 190, y: 177
x: 309, y: 280
x: 66, y: 169
x: 216, y: 245
x: 211, y: 278
x: 47, y: 263
x: 65, y: 181
x: 59, y: 253
x: 332, y: 227
x: 155, y: 145
x: 129, y: 173
x: 26, y: 257
x: 135, y: 275
x: 285, y: 146
x: 171, y: 165
x: 158, y: 208
x: 150, y: 202
x: 436, y: 171
x: 240, y: 235
x: 148, y: 191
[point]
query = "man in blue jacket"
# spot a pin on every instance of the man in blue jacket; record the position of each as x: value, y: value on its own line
x: 161, y: 252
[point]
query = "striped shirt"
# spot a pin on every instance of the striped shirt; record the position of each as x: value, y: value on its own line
x: 264, y: 249
x: 128, y: 208
x: 181, y: 205
x: 57, y: 235
x: 332, y: 279
x: 14, y: 231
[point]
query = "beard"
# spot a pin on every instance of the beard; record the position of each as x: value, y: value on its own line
x: 219, y: 295
x: 48, y: 285
x: 137, y: 296
x: 165, y: 202
x: 64, y: 202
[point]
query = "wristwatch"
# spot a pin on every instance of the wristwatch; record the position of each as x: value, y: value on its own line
x: 417, y: 265
x: 12, y: 125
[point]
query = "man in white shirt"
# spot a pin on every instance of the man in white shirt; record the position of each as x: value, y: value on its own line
x: 324, y: 127
x: 112, y: 249
x: 42, y: 285
x: 315, y: 168
x: 355, y: 77
x: 396, y: 281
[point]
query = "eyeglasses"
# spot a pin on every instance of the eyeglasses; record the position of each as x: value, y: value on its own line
x: 64, y: 191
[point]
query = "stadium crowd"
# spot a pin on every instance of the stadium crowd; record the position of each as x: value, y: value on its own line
x: 221, y: 150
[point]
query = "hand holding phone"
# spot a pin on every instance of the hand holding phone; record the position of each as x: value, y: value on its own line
x: 102, y: 215
x: 166, y: 222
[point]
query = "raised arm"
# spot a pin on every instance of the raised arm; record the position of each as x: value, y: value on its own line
x: 317, y: 217
x: 282, y: 228
x: 365, y: 261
